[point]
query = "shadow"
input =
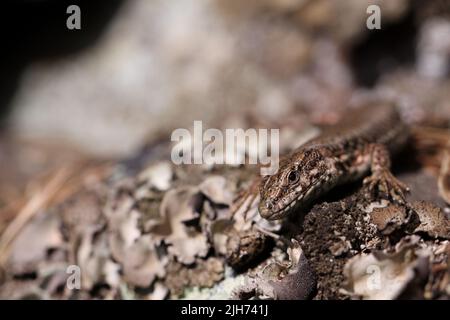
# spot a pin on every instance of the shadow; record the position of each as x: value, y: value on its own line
x: 32, y: 30
x: 393, y: 46
x: 293, y: 224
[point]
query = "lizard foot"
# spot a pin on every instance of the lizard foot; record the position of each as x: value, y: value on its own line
x: 245, y: 199
x: 383, y: 183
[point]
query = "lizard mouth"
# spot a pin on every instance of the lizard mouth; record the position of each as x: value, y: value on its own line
x: 281, y: 213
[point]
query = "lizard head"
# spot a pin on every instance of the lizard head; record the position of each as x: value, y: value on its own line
x: 299, y: 180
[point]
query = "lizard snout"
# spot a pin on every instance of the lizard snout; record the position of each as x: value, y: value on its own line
x: 269, y: 204
x: 265, y: 208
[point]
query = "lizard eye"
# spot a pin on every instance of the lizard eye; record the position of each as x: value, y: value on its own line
x: 293, y: 176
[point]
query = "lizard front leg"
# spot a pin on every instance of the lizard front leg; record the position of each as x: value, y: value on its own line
x: 246, y: 198
x: 382, y: 182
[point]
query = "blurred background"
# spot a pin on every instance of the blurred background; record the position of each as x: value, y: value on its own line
x: 136, y: 66
x: 138, y: 69
x: 86, y: 114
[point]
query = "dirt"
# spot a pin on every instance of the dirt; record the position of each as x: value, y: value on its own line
x: 331, y: 233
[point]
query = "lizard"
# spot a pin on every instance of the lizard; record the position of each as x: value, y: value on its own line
x: 362, y: 143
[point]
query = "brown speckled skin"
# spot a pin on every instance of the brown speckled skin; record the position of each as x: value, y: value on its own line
x: 364, y: 141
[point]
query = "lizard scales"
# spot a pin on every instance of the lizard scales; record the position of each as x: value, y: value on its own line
x: 363, y: 142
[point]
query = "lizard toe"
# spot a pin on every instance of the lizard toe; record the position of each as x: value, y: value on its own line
x: 384, y: 184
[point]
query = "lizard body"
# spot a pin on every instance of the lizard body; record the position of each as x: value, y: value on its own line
x: 363, y: 142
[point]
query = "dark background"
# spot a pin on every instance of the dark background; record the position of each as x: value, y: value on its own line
x: 36, y: 29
